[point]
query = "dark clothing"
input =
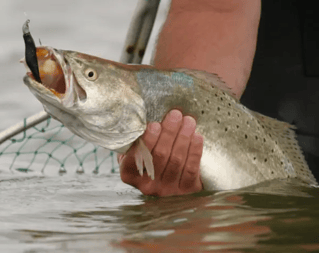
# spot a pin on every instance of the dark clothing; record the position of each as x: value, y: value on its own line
x: 284, y: 82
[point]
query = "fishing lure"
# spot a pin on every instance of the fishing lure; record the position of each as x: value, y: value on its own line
x: 30, y: 51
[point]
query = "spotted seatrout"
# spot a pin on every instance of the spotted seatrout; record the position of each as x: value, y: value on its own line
x: 109, y: 104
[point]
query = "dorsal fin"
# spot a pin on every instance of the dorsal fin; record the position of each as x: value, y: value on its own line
x: 210, y: 78
x: 286, y: 139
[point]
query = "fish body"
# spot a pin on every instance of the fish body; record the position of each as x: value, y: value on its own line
x: 110, y: 104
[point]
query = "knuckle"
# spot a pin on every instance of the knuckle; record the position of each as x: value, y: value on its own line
x: 170, y: 131
x: 161, y: 153
x: 191, y: 171
x: 183, y: 139
x: 194, y: 157
x: 176, y: 160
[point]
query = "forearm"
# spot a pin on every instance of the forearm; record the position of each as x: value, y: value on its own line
x: 217, y: 36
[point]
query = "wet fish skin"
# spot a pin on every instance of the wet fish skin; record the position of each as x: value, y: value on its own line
x: 241, y: 147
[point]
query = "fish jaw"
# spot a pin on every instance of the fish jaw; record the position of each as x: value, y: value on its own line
x: 48, y: 92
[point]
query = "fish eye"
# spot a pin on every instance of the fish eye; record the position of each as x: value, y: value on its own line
x: 90, y: 74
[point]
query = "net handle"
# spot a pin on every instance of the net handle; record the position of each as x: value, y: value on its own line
x: 24, y: 125
x: 135, y: 44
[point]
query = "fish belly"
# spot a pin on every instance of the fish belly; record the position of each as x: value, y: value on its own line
x: 221, y: 171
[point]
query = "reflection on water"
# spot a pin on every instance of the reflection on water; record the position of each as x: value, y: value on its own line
x: 100, y: 214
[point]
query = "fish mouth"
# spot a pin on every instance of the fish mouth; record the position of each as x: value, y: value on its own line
x: 58, y: 81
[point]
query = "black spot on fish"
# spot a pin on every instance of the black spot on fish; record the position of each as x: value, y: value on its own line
x: 264, y: 140
x: 237, y: 126
x: 203, y: 112
x: 218, y: 121
x: 272, y: 172
x: 228, y: 113
x: 207, y: 101
x: 265, y: 160
x: 226, y: 129
x: 218, y: 108
x: 256, y: 137
x: 229, y: 104
x: 221, y: 99
x: 238, y: 115
x: 246, y: 136
x: 255, y: 158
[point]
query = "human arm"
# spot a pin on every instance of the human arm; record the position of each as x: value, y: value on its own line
x: 217, y: 36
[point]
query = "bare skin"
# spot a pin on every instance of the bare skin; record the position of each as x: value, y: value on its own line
x: 217, y: 36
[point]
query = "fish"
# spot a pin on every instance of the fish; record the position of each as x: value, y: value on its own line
x: 110, y: 103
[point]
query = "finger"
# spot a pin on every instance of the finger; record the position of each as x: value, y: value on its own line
x: 151, y: 135
x: 162, y: 150
x: 174, y: 168
x: 190, y: 178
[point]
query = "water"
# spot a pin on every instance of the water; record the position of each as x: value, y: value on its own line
x: 45, y: 212
x: 100, y: 214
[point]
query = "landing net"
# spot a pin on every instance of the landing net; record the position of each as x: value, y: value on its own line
x: 49, y: 147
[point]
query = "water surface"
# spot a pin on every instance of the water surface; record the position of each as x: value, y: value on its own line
x: 100, y: 214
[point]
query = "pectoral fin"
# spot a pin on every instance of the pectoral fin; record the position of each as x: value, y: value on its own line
x: 144, y: 157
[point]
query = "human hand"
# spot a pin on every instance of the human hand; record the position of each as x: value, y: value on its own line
x: 176, y: 151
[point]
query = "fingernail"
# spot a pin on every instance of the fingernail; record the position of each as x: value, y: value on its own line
x: 189, y: 125
x: 189, y: 121
x: 175, y: 116
x: 154, y: 127
x: 197, y: 138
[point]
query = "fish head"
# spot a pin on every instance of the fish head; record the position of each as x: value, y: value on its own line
x: 89, y: 95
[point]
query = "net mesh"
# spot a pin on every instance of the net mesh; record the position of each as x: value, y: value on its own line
x: 51, y: 148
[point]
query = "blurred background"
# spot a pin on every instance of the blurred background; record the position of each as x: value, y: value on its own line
x: 284, y: 82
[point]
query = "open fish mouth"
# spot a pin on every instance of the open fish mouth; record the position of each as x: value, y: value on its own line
x: 57, y: 77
